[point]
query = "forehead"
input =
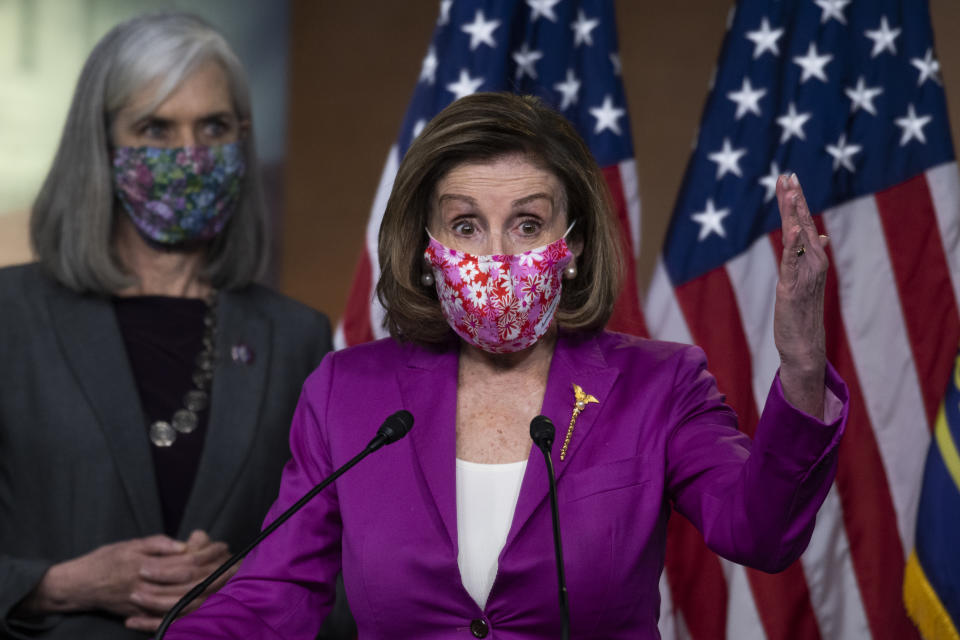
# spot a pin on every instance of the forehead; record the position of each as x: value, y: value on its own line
x: 507, y: 176
x: 205, y: 88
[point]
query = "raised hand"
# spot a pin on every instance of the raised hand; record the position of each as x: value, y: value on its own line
x: 798, y: 311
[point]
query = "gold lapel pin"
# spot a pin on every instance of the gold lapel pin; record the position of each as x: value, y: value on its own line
x: 582, y: 400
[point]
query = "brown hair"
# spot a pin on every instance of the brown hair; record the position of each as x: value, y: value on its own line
x: 479, y: 128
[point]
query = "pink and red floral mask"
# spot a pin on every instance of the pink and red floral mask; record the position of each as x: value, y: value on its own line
x: 499, y: 303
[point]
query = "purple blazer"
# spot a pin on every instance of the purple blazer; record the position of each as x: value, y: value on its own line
x: 660, y: 434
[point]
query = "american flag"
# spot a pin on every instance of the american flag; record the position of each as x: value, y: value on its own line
x: 565, y: 52
x: 848, y: 95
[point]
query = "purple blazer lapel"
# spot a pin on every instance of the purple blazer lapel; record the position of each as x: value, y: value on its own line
x: 428, y: 386
x: 579, y: 360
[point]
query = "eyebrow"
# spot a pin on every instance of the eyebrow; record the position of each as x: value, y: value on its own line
x: 519, y: 202
x: 152, y: 117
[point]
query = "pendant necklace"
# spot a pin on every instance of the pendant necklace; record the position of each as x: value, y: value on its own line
x: 163, y: 433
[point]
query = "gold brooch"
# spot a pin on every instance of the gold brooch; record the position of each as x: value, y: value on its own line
x: 582, y: 400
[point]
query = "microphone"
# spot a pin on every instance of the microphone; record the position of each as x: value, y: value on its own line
x: 393, y: 428
x: 542, y: 433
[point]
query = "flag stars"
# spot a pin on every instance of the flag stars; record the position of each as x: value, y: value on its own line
x: 582, y: 29
x: 525, y: 60
x: 769, y: 182
x: 568, y: 89
x: 884, y: 38
x: 832, y: 9
x: 912, y: 126
x: 861, y: 96
x: 813, y: 64
x: 465, y: 85
x: 747, y: 99
x: 928, y: 66
x: 792, y: 123
x: 727, y: 159
x: 542, y: 8
x: 843, y: 154
x: 428, y: 70
x: 481, y: 31
x: 710, y: 221
x: 607, y: 116
x: 765, y: 39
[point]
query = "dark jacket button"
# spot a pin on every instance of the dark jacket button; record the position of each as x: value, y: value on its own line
x: 479, y: 628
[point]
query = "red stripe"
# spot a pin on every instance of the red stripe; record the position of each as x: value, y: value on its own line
x: 356, y: 317
x: 697, y: 585
x: 627, y: 316
x: 709, y: 305
x: 923, y: 282
x: 869, y: 517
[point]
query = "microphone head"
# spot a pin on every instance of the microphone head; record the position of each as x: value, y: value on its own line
x: 542, y: 432
x: 395, y: 426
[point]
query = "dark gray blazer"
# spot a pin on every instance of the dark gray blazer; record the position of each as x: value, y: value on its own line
x: 75, y: 465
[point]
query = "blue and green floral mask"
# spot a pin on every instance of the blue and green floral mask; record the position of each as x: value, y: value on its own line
x: 182, y: 194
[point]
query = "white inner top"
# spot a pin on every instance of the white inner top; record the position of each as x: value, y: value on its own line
x: 486, y: 499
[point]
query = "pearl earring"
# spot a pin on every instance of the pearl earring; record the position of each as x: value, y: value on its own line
x: 426, y: 279
x: 570, y: 271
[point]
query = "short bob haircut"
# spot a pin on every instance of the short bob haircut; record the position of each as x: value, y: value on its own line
x: 481, y: 128
x: 73, y: 217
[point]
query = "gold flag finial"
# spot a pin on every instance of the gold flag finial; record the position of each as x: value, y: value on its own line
x: 581, y: 399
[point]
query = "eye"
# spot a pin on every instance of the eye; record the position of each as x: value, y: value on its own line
x: 153, y: 129
x: 464, y: 227
x: 530, y: 227
x: 216, y: 128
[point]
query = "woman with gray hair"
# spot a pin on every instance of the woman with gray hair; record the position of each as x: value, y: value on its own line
x: 142, y: 369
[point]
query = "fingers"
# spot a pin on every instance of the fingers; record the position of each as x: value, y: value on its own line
x: 799, y: 232
x: 161, y: 545
x: 154, y: 597
x: 190, y: 566
x: 198, y: 539
x: 794, y: 210
x: 215, y: 552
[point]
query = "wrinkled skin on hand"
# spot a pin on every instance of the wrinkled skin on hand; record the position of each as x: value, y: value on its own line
x: 798, y: 311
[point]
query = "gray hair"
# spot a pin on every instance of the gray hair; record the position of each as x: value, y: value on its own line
x: 73, y: 217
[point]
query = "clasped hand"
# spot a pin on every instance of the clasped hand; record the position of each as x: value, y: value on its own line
x: 139, y: 579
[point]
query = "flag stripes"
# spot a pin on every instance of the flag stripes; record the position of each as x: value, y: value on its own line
x: 920, y: 266
x: 945, y: 193
x: 869, y: 516
x: 883, y: 368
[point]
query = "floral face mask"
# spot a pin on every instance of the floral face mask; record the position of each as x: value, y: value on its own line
x: 499, y: 303
x: 182, y: 194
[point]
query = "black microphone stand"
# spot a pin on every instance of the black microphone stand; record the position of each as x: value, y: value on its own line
x: 542, y: 432
x: 392, y: 429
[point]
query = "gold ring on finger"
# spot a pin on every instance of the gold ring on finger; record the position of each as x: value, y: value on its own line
x: 800, y: 251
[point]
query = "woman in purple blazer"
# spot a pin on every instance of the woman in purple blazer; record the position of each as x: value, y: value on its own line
x: 499, y: 270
